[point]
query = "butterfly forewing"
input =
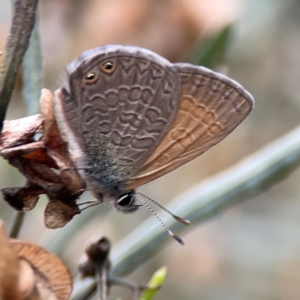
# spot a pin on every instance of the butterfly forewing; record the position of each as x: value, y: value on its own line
x: 117, y: 119
x: 211, y: 106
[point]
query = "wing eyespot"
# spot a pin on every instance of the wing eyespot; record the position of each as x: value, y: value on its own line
x: 90, y: 77
x: 108, y: 66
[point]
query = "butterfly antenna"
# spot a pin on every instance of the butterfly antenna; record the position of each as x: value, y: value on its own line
x: 171, y: 233
x: 183, y: 221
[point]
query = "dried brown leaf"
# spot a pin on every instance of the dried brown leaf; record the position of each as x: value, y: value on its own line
x: 52, y: 279
x: 58, y: 213
x: 9, y: 269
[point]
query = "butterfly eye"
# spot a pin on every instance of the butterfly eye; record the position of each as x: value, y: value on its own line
x: 90, y: 77
x: 126, y: 202
x: 108, y: 66
x: 125, y: 199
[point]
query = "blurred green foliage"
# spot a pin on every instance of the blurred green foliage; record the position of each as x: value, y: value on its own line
x: 211, y: 52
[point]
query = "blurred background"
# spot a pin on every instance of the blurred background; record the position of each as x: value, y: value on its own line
x: 251, y: 251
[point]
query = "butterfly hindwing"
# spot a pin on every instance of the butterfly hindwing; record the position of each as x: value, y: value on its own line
x: 211, y: 106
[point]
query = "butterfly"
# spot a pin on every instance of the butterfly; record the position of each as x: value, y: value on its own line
x: 131, y: 116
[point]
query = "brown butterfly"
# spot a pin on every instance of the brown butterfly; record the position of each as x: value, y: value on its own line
x: 130, y: 116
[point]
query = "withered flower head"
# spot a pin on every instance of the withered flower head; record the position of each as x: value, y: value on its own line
x: 45, y: 162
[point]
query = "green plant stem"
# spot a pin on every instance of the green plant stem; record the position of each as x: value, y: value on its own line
x: 33, y: 72
x: 249, y: 178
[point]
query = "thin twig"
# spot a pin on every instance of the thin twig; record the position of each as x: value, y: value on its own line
x: 17, y: 224
x: 18, y: 41
x: 101, y: 279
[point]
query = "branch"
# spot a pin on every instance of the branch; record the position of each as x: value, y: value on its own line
x: 18, y: 41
